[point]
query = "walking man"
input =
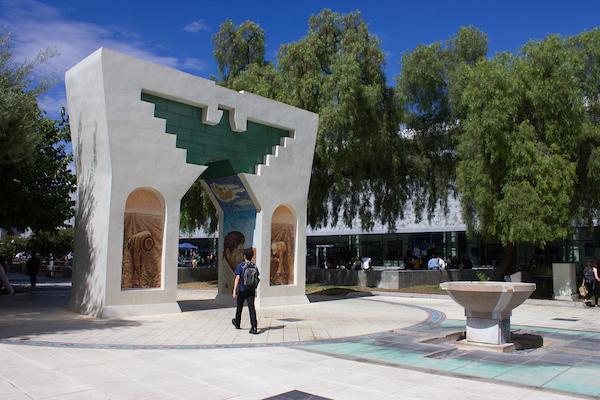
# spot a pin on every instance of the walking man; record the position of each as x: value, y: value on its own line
x: 244, y: 289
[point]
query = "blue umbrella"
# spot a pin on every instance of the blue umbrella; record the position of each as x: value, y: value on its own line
x: 187, y: 246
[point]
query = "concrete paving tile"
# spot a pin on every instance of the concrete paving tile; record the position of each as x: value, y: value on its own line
x: 533, y: 375
x: 582, y: 380
x: 353, y: 393
x: 431, y: 391
x: 482, y: 369
x: 15, y: 396
x: 90, y: 394
x: 202, y: 391
x: 544, y: 395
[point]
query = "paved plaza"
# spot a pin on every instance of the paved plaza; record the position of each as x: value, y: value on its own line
x: 367, y: 347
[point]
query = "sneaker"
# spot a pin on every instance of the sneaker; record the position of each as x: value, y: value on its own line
x: 234, y: 323
x: 254, y: 331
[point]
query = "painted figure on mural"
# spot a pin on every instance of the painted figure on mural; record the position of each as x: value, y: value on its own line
x: 233, y: 254
x: 282, y: 247
x: 142, y: 241
x: 139, y: 246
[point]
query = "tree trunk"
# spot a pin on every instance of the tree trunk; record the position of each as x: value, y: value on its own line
x: 507, y: 264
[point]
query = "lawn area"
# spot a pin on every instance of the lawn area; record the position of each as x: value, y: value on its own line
x: 198, y: 285
x: 337, y: 290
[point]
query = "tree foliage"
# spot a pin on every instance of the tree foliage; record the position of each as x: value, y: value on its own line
x: 236, y: 47
x: 430, y: 82
x: 337, y: 72
x: 528, y: 140
x: 34, y: 165
x: 58, y: 242
x: 19, y: 112
x: 516, y: 137
x: 36, y: 194
x: 586, y: 48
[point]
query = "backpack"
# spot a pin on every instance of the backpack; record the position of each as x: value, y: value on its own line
x: 249, y: 276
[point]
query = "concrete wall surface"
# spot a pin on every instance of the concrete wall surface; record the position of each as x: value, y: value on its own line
x: 200, y: 274
x: 391, y: 279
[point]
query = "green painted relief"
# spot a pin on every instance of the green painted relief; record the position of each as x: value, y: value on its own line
x: 225, y: 152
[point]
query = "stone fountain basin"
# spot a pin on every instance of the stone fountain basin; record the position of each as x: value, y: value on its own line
x: 490, y: 300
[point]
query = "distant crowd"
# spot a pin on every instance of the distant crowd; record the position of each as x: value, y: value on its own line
x: 430, y: 260
x: 196, y: 259
x: 421, y: 256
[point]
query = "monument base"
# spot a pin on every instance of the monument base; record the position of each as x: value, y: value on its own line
x: 137, y: 310
x: 488, y: 330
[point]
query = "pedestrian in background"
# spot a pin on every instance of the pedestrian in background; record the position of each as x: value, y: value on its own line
x: 592, y: 282
x: 433, y: 263
x: 33, y: 267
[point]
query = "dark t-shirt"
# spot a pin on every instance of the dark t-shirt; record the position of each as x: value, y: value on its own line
x: 238, y: 272
x: 33, y: 264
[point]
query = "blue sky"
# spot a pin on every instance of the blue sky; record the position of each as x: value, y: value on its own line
x: 178, y: 33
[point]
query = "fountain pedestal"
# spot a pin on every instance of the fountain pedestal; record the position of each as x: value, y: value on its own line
x: 488, y: 307
x: 488, y: 330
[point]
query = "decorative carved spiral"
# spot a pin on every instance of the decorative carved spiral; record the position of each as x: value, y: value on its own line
x: 148, y: 243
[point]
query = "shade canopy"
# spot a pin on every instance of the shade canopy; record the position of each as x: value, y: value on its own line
x: 187, y: 246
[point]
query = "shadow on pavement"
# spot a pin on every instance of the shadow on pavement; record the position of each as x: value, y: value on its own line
x: 199, y: 305
x: 43, y: 311
x: 270, y: 328
x: 333, y: 294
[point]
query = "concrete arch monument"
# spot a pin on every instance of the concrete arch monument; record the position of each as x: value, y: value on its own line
x: 141, y: 126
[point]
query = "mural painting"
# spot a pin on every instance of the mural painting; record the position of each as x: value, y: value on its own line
x: 282, y: 247
x: 142, y: 241
x: 239, y: 221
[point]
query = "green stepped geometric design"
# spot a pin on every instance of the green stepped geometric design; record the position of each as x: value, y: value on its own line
x: 224, y: 151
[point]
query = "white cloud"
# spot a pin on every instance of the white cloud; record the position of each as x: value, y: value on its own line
x: 52, y: 103
x: 35, y: 26
x: 193, y: 63
x: 197, y: 26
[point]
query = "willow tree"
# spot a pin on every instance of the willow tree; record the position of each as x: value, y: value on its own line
x: 529, y: 138
x: 428, y: 89
x: 336, y: 70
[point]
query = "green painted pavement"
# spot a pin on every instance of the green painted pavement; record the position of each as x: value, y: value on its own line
x: 581, y: 377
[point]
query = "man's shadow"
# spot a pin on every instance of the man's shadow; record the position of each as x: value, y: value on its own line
x: 270, y: 328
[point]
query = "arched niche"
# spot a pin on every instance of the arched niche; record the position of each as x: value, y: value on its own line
x: 143, y: 240
x: 283, y: 239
